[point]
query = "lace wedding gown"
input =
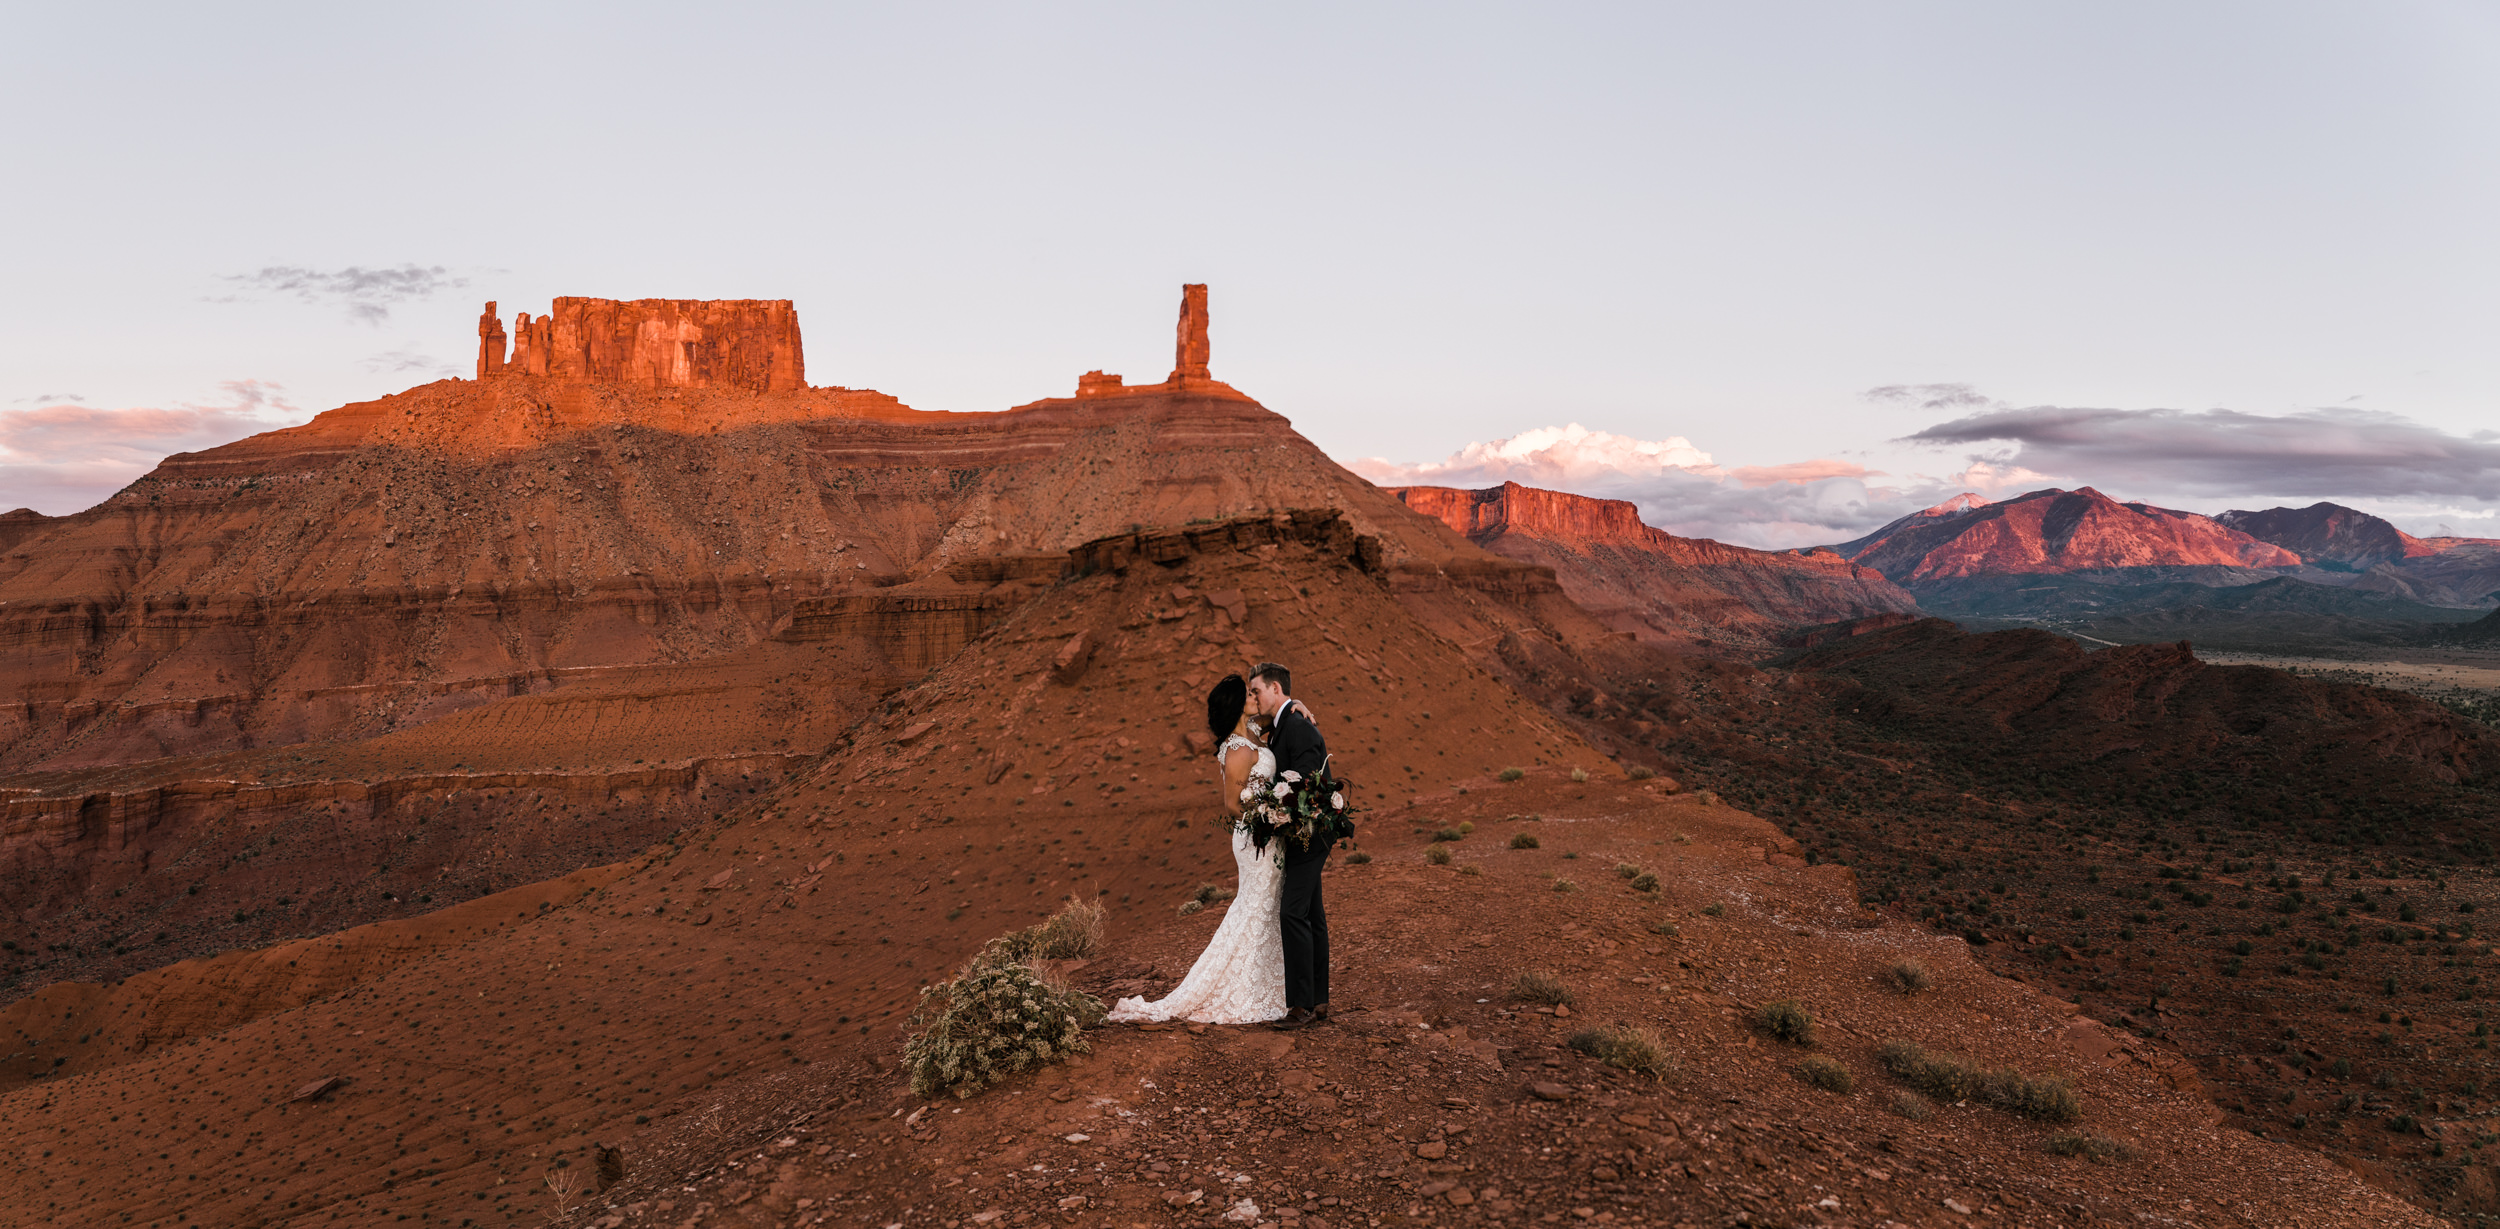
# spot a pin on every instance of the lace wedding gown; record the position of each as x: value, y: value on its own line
x: 1240, y: 977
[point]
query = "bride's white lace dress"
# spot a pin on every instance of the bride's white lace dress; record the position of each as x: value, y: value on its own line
x: 1240, y: 977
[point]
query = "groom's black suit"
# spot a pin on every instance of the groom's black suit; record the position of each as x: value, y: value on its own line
x: 1299, y: 747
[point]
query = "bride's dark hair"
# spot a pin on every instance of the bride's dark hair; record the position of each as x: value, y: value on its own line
x: 1224, y: 704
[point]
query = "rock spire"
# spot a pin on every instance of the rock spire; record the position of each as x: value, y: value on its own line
x: 1189, y: 353
x: 490, y: 338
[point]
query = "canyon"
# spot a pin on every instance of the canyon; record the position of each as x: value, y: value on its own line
x: 583, y: 769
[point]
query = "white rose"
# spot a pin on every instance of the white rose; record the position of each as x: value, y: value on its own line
x: 1283, y: 790
x: 1291, y: 775
x: 1336, y: 801
x: 1249, y: 792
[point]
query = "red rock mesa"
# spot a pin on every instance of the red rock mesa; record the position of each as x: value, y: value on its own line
x: 655, y: 343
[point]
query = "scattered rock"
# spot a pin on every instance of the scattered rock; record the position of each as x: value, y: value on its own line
x: 1544, y: 1090
x: 318, y: 1089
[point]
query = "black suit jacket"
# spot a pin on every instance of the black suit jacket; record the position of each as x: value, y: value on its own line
x: 1299, y: 747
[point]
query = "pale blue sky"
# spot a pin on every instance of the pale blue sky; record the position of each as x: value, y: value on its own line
x: 1424, y: 225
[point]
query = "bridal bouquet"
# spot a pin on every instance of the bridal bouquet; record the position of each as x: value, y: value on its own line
x: 1303, y: 811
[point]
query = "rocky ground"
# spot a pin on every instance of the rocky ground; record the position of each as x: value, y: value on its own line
x: 1435, y: 1097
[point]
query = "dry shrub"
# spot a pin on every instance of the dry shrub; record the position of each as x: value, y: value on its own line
x: 1579, y: 775
x: 1637, y: 1050
x: 1669, y: 929
x: 1358, y: 857
x: 1625, y: 870
x: 1908, y: 977
x: 1947, y: 1077
x: 1448, y: 834
x: 1523, y: 840
x: 1471, y: 870
x: 1073, y: 933
x: 2098, y: 1149
x: 1826, y: 1073
x: 1188, y: 907
x: 1910, y: 1105
x: 1642, y: 772
x: 1513, y: 774
x: 1644, y: 882
x: 1786, y: 1020
x: 1438, y: 855
x: 1565, y: 885
x: 1538, y: 988
x: 992, y: 1022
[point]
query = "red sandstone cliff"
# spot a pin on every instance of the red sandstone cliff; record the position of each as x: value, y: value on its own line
x: 2054, y: 531
x: 1641, y: 578
x: 652, y: 343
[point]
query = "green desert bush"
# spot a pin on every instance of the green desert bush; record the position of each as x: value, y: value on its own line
x: 1513, y: 774
x: 1448, y: 834
x: 1538, y: 988
x: 1786, y: 1020
x: 1947, y: 1077
x: 1634, y: 1049
x: 1644, y: 882
x: 1826, y: 1073
x: 992, y: 1022
x: 1438, y: 855
x: 2098, y: 1149
x: 1908, y: 977
x: 1523, y: 840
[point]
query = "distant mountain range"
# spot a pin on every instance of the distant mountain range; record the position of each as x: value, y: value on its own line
x: 2079, y: 553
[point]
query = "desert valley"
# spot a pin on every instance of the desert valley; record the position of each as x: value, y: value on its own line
x: 562, y: 794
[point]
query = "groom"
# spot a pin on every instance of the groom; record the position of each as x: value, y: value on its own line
x: 1296, y: 741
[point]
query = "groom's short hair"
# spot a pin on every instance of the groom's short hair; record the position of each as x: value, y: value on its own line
x: 1270, y: 671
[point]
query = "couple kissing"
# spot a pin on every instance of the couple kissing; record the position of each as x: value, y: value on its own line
x: 1268, y: 960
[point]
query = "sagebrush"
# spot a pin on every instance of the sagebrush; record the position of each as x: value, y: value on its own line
x: 990, y: 1023
x: 2098, y: 1149
x: 1826, y: 1073
x: 1786, y: 1020
x: 1073, y: 933
x: 1947, y: 1077
x: 1634, y: 1049
x: 1538, y: 988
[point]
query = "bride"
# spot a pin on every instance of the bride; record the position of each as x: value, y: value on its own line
x: 1240, y: 977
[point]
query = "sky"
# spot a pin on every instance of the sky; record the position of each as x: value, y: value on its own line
x: 1776, y: 272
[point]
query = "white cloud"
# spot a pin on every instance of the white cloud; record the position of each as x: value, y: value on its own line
x: 62, y: 458
x: 1677, y: 487
x: 1546, y: 456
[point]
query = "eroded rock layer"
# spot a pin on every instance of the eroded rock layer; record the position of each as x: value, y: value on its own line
x: 1682, y: 590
